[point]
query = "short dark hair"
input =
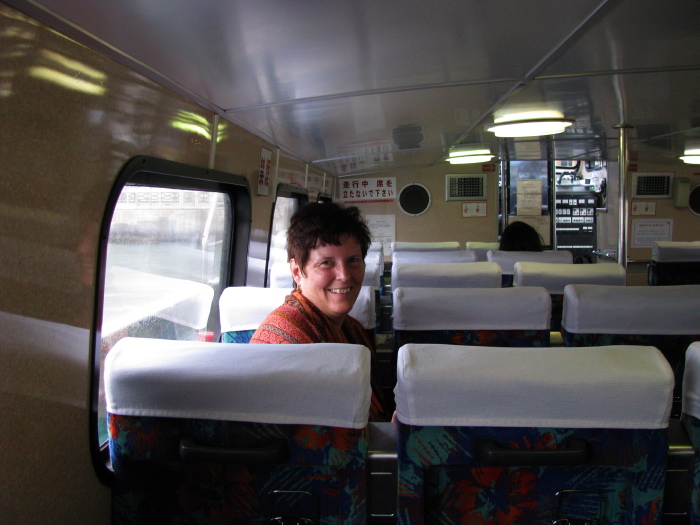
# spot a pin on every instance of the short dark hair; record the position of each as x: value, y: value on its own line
x: 320, y: 223
x: 521, y: 237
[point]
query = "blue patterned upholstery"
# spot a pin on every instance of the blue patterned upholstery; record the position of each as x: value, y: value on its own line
x: 510, y: 436
x: 324, y: 478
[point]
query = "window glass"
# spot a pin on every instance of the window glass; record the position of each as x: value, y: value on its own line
x: 166, y: 261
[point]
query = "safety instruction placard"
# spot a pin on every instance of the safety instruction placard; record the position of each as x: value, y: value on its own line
x: 646, y: 232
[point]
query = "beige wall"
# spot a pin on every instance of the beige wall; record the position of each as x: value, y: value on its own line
x: 443, y: 221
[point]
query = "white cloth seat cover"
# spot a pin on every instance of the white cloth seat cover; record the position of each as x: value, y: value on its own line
x: 691, y: 381
x: 316, y: 384
x: 364, y: 309
x: 471, y: 308
x: 648, y: 310
x: 373, y: 275
x: 555, y: 276
x: 424, y: 246
x: 481, y: 249
x: 245, y: 307
x: 506, y: 260
x: 595, y: 387
x: 675, y: 251
x: 446, y: 275
x: 461, y: 256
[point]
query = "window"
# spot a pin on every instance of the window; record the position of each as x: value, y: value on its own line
x: 171, y: 243
x: 289, y: 199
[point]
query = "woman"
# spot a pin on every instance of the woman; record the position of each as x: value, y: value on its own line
x: 326, y: 247
x: 520, y: 237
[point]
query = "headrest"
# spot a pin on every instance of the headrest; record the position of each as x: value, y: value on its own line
x: 375, y: 258
x: 178, y: 300
x: 471, y: 308
x: 364, y: 309
x: 667, y: 251
x: 281, y: 276
x: 507, y: 260
x: 462, y: 256
x: 480, y: 249
x: 554, y: 277
x: 245, y: 307
x: 596, y: 387
x: 373, y: 275
x: 316, y: 384
x: 691, y: 381
x: 424, y: 246
x: 648, y: 310
x: 446, y: 275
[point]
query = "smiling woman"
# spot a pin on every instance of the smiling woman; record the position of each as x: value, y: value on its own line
x: 326, y: 246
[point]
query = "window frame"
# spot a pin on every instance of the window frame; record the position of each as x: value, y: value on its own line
x: 151, y: 171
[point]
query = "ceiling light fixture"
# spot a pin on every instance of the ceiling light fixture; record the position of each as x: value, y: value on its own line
x: 530, y: 124
x: 467, y: 156
x: 692, y: 156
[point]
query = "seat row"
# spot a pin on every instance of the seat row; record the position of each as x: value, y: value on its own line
x: 256, y: 433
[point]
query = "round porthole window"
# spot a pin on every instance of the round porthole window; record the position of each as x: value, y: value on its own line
x: 414, y: 199
x: 694, y: 200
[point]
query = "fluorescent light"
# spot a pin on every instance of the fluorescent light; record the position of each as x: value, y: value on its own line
x: 461, y: 152
x: 469, y: 159
x: 691, y: 159
x: 530, y: 128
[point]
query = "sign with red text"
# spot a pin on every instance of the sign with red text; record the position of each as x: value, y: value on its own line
x: 367, y: 190
x: 264, y: 170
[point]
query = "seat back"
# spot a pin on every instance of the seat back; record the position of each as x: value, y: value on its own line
x: 667, y: 317
x: 691, y: 419
x: 555, y: 276
x: 674, y: 262
x: 196, y: 429
x: 472, y: 316
x: 505, y: 435
x: 365, y: 309
x: 402, y: 246
x: 506, y: 260
x: 446, y: 275
x: 243, y: 308
x: 481, y: 249
x: 406, y: 257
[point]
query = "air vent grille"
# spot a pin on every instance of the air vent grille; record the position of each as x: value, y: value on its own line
x: 656, y: 185
x: 461, y: 187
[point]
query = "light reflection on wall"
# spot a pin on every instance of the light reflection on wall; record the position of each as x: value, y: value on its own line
x: 69, y: 73
x: 194, y: 123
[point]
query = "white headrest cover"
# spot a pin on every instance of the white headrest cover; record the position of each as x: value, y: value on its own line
x: 507, y: 260
x: 596, y: 387
x: 424, y: 246
x: 375, y: 258
x: 245, y: 307
x: 318, y: 384
x: 670, y: 251
x: 471, y: 308
x: 364, y: 308
x: 480, y: 249
x: 691, y: 381
x: 554, y: 277
x: 661, y: 310
x: 373, y: 275
x: 462, y: 256
x: 446, y: 275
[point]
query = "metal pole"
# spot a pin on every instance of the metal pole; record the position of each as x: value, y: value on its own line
x: 622, y: 220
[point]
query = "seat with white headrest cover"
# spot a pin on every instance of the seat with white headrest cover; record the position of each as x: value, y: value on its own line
x: 471, y: 308
x: 675, y: 251
x: 481, y: 249
x: 661, y: 310
x: 446, y: 275
x: 424, y: 246
x: 507, y: 259
x: 364, y: 310
x: 555, y: 276
x: 318, y: 384
x: 674, y: 262
x: 243, y: 308
x: 556, y: 435
x: 461, y: 256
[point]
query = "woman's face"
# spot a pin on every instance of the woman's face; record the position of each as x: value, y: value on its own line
x: 332, y: 277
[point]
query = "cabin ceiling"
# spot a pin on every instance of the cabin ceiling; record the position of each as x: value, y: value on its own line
x: 354, y: 87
